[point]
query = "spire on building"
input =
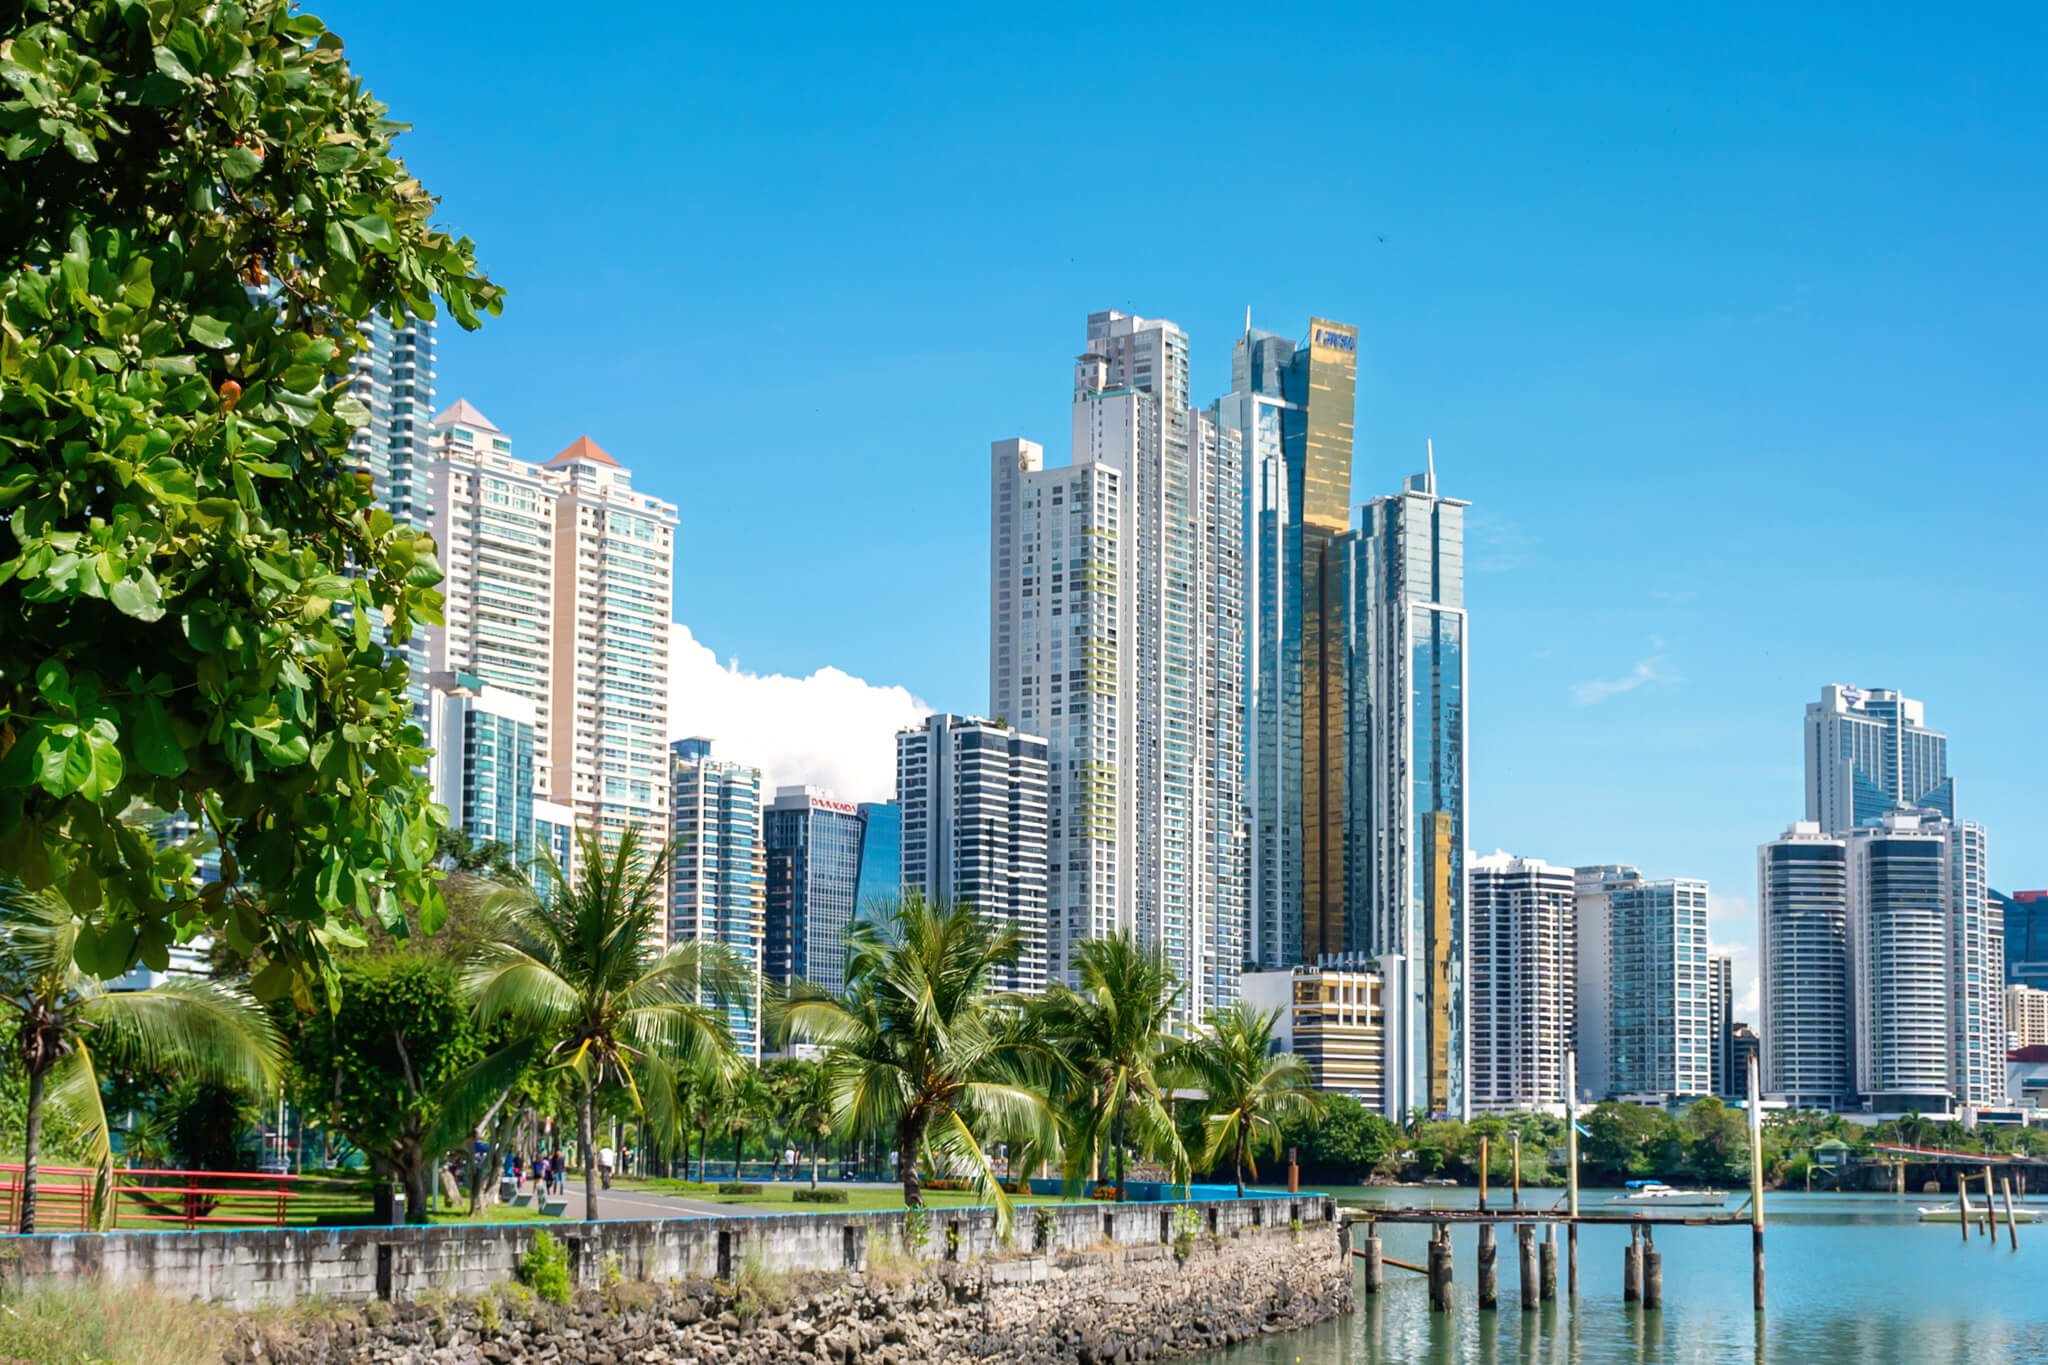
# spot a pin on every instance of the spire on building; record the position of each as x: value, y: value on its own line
x: 585, y: 449
x: 464, y: 412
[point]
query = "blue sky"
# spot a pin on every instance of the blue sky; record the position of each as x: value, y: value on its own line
x: 1727, y: 322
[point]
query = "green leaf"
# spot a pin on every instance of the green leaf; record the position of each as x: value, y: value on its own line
x: 138, y: 596
x: 156, y: 740
x: 209, y: 331
x: 372, y: 228
x: 66, y: 765
x: 78, y: 144
x: 53, y: 681
x: 272, y: 982
x: 240, y: 163
x: 107, y: 768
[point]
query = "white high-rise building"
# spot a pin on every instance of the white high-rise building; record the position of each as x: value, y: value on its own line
x: 972, y: 796
x: 1522, y: 927
x: 483, y: 767
x: 494, y: 524
x: 2026, y: 1017
x: 1117, y: 631
x: 1868, y: 751
x: 1926, y: 966
x: 719, y: 876
x: 614, y: 593
x: 1803, y: 967
x: 1645, y: 985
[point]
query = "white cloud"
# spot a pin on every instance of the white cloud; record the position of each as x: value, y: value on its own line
x: 1748, y: 994
x: 829, y: 729
x: 1656, y: 668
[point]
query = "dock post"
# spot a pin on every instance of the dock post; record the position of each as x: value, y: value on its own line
x: 2011, y: 1228
x: 1990, y: 1208
x: 1516, y: 1136
x: 1483, y: 1164
x: 1440, y: 1270
x: 1571, y: 1170
x: 1963, y: 1196
x: 1632, y: 1267
x: 1756, y: 1183
x: 1548, y: 1253
x: 1375, y: 1268
x: 1489, y: 1268
x: 1653, y: 1274
x: 1525, y: 1244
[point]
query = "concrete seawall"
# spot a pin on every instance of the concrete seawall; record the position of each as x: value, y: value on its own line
x: 278, y: 1266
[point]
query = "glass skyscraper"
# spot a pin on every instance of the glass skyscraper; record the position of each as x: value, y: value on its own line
x: 881, y: 856
x: 2024, y: 915
x: 483, y: 765
x: 813, y: 844
x: 1645, y: 1019
x: 717, y: 879
x: 1869, y: 751
x: 1405, y: 831
x: 1290, y: 408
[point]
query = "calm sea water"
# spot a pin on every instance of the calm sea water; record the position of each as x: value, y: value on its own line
x: 1850, y: 1277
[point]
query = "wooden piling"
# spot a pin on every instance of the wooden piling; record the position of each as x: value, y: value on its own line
x: 1963, y: 1195
x: 1489, y: 1269
x: 1632, y: 1268
x: 1548, y: 1254
x: 1440, y: 1271
x: 1483, y: 1164
x: 1571, y: 1261
x: 1571, y: 1170
x: 2011, y: 1227
x: 1653, y: 1276
x: 1516, y: 1137
x: 1990, y: 1208
x: 1525, y: 1244
x: 1375, y: 1270
x: 1756, y: 1183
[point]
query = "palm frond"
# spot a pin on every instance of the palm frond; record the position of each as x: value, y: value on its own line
x: 197, y: 1028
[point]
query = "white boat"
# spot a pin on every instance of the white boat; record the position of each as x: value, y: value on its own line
x: 1656, y: 1194
x: 1951, y: 1214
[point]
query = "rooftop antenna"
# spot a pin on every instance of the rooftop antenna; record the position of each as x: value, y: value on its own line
x: 1432, y: 468
x: 1247, y: 322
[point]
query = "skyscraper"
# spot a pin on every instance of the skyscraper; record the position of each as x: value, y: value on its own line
x: 972, y: 795
x: 1654, y: 1017
x: 614, y: 592
x: 1116, y: 630
x: 1524, y: 964
x: 881, y: 856
x: 1868, y: 752
x: 813, y: 845
x: 393, y: 376
x: 2023, y: 916
x: 2026, y: 1016
x: 718, y: 875
x: 1721, y: 1017
x: 1405, y: 719
x: 1803, y: 967
x: 483, y: 760
x: 1291, y: 409
x: 1926, y: 1001
x: 493, y: 521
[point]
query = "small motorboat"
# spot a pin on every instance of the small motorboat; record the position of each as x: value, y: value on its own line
x: 1952, y: 1214
x: 1657, y: 1194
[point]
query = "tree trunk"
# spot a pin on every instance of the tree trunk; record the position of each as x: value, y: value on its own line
x: 31, y: 1151
x: 908, y: 1139
x: 1116, y: 1135
x: 814, y: 1167
x: 703, y: 1150
x: 1238, y: 1153
x: 584, y: 1125
x: 416, y: 1192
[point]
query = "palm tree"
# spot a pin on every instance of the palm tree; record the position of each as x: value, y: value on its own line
x: 1250, y: 1090
x: 916, y: 1047
x: 1114, y: 1031
x: 71, y: 1025
x: 746, y: 1111
x: 812, y: 1116
x: 578, y: 972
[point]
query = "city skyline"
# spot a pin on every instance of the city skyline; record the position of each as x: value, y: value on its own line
x: 1578, y: 421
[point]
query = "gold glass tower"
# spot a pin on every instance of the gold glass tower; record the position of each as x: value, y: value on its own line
x: 1325, y: 511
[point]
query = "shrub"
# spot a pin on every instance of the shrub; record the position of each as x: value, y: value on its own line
x: 817, y: 1196
x: 738, y: 1187
x: 546, y: 1268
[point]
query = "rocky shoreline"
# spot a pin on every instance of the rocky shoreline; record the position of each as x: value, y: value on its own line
x: 1105, y: 1306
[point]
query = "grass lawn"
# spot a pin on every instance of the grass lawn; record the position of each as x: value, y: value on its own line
x: 777, y: 1195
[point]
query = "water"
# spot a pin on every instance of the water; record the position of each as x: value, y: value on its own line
x: 1850, y: 1277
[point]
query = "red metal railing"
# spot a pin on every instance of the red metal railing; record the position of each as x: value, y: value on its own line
x: 185, y: 1199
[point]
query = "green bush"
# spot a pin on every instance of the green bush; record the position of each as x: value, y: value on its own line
x: 817, y: 1196
x: 546, y: 1268
x: 738, y: 1187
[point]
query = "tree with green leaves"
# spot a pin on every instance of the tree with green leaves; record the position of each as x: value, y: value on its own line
x: 200, y: 209
x: 916, y: 1047
x: 1346, y: 1142
x: 1115, y: 1031
x: 812, y: 1113
x: 576, y: 972
x: 69, y: 1029
x: 1250, y: 1090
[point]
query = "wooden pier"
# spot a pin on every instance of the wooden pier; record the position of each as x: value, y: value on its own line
x: 1642, y: 1280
